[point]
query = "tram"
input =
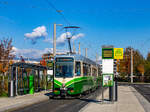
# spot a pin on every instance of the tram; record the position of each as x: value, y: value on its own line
x: 74, y: 75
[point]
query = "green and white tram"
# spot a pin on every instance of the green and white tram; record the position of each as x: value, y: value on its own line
x: 74, y: 75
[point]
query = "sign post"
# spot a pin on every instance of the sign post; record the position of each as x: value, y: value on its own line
x: 108, y: 69
x: 108, y: 55
x: 118, y: 54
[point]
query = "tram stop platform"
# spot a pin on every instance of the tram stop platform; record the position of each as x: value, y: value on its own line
x: 129, y: 100
x: 9, y: 104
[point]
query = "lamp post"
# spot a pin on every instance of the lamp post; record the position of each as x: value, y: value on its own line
x: 131, y: 65
x: 54, y: 38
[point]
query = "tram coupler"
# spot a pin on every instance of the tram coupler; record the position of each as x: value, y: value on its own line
x: 63, y: 92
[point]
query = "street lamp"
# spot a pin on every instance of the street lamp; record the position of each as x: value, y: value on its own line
x: 54, y: 39
x: 131, y: 65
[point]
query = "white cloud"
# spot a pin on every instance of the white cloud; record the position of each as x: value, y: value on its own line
x: 61, y: 40
x: 30, y: 53
x: 49, y: 40
x: 80, y: 35
x: 37, y: 33
x: 33, y: 53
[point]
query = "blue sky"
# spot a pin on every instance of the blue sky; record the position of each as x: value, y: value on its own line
x: 120, y: 23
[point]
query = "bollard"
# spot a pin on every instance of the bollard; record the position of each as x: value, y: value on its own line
x: 12, y: 89
x: 114, y: 91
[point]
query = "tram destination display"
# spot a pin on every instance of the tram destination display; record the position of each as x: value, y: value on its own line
x: 64, y: 59
x: 107, y: 53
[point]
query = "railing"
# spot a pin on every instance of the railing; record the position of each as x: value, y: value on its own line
x: 141, y: 79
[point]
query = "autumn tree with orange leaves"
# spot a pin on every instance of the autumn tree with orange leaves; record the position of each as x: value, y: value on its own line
x: 138, y: 63
x: 6, y: 57
x: 5, y: 54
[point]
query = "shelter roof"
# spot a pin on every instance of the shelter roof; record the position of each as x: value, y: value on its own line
x: 29, y: 65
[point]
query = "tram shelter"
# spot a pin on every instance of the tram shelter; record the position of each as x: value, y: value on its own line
x: 20, y: 79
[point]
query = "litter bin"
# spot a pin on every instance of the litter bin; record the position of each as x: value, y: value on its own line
x: 31, y: 84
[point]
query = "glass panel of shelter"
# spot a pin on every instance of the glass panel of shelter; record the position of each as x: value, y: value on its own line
x: 23, y: 81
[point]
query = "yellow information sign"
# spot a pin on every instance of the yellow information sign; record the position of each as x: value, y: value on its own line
x: 118, y: 53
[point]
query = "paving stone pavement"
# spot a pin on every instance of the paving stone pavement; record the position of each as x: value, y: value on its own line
x: 127, y: 102
x: 22, y: 101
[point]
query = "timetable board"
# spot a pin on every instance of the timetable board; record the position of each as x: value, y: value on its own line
x: 107, y: 53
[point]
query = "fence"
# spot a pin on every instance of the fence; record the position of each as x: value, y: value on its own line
x: 145, y: 79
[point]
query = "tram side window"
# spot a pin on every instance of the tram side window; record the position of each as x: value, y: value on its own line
x: 78, y: 68
x: 85, y: 69
x: 94, y: 72
x: 89, y: 70
x: 99, y: 71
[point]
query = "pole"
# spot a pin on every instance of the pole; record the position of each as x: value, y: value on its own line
x: 38, y: 71
x: 96, y: 58
x: 74, y: 49
x: 111, y: 93
x: 54, y: 40
x: 79, y: 50
x: 17, y: 81
x: 11, y: 83
x: 116, y: 90
x: 69, y: 43
x: 102, y: 93
x: 86, y: 52
x: 131, y: 65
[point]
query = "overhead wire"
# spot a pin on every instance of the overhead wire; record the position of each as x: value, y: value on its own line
x: 58, y: 11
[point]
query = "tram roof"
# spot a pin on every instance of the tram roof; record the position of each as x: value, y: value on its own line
x: 29, y: 65
x: 79, y: 58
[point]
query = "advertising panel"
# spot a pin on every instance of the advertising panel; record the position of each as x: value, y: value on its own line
x: 108, y: 80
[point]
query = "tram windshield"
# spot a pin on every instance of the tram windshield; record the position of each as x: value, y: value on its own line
x: 64, y: 69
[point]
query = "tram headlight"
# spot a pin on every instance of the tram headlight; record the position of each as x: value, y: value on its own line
x: 55, y: 91
x: 71, y: 91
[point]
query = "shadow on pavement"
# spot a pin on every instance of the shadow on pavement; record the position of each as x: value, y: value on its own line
x: 48, y: 94
x: 93, y: 101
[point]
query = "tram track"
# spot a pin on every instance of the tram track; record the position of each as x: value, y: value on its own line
x: 61, y: 105
x: 143, y: 89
